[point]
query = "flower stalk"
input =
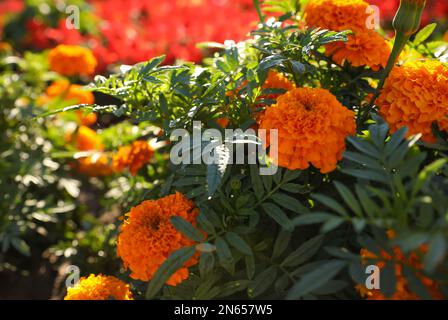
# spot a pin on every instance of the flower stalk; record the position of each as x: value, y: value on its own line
x: 406, y: 23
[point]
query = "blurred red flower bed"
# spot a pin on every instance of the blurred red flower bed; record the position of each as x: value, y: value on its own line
x: 136, y: 30
x: 435, y: 9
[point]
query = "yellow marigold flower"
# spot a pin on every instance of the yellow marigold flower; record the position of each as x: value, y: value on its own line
x: 133, y: 156
x: 96, y: 165
x: 87, y: 140
x: 75, y: 94
x: 416, y: 95
x: 312, y: 126
x: 72, y: 60
x: 337, y: 15
x: 99, y: 287
x: 363, y: 48
x: 445, y: 37
x: 147, y: 236
x: 402, y: 291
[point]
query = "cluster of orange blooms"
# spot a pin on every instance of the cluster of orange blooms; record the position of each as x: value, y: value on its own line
x: 402, y: 290
x: 312, y: 127
x: 416, y: 95
x: 147, y: 236
x: 365, y: 47
x: 99, y: 287
x: 72, y: 60
x: 133, y: 156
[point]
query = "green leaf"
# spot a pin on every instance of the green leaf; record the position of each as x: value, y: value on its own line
x: 257, y: 185
x: 415, y: 284
x: 281, y: 243
x: 357, y: 272
x: 174, y: 262
x: 238, y: 243
x: 233, y: 287
x: 331, y: 224
x: 206, y: 264
x: 363, y: 160
x: 291, y: 175
x: 250, y: 266
x: 304, y: 252
x: 278, y: 215
x: 312, y: 218
x: 289, y: 203
x: 349, y: 198
x: 331, y: 287
x: 370, y: 175
x: 395, y: 140
x: 424, y: 34
x: 262, y: 282
x: 330, y: 203
x: 316, y: 279
x: 153, y: 63
x: 436, y: 252
x: 225, y: 255
x: 205, y: 223
x: 367, y: 204
x: 388, y: 279
x: 294, y: 188
x: 21, y: 246
x: 186, y: 228
x: 364, y: 146
x: 426, y: 174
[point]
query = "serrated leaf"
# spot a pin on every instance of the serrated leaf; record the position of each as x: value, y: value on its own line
x: 174, y: 262
x: 312, y: 218
x: 349, y: 198
x: 225, y: 255
x: 186, y: 228
x: 277, y: 215
x: 316, y: 279
x: 206, y: 264
x: 238, y: 243
x: 257, y: 185
x: 330, y: 203
x: 281, y: 243
x: 304, y: 252
x: 262, y: 282
x: 436, y: 252
x: 289, y: 203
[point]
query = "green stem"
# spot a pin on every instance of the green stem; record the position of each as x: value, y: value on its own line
x: 399, y: 44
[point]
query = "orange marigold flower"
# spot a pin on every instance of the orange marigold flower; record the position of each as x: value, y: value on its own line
x: 96, y: 165
x: 312, y: 126
x: 87, y: 140
x: 276, y: 80
x: 402, y: 291
x: 363, y: 48
x: 337, y: 15
x: 223, y: 122
x: 416, y: 95
x: 133, y: 156
x: 72, y: 60
x: 99, y: 287
x: 147, y: 236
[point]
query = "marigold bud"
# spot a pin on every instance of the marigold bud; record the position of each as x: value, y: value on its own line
x: 408, y: 17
